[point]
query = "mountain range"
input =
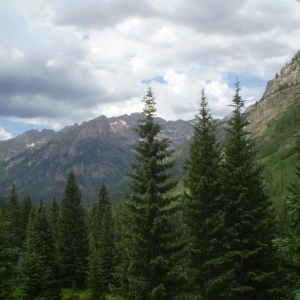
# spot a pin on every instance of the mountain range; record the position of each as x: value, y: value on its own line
x: 99, y: 150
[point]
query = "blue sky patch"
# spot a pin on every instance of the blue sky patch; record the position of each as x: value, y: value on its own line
x: 158, y: 79
x: 245, y: 80
x: 86, y: 37
x: 16, y: 128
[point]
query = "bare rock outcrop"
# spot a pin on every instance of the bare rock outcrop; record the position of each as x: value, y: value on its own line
x: 280, y: 92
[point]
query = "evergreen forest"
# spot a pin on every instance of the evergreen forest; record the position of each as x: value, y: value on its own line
x: 218, y: 238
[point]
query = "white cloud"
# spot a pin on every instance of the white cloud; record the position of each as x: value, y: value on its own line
x: 4, y: 135
x: 68, y: 61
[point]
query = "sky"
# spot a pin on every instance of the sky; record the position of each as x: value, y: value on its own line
x: 69, y: 61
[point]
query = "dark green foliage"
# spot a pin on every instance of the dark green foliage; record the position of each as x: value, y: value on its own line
x: 294, y: 188
x: 249, y: 264
x: 13, y: 215
x: 203, y: 213
x: 102, y: 234
x: 2, y: 202
x: 11, y: 234
x: 7, y: 262
x: 121, y: 218
x: 26, y: 207
x: 288, y: 243
x: 37, y: 270
x: 73, y: 238
x: 148, y: 240
x: 54, y: 220
x: 96, y: 280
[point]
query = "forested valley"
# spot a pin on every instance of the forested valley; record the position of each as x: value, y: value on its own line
x: 219, y: 238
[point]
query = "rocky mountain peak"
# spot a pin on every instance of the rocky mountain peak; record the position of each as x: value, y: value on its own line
x: 97, y: 150
x: 27, y: 140
x: 280, y: 92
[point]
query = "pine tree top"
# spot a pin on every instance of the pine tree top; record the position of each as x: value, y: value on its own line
x: 237, y: 102
x: 72, y: 192
x: 149, y: 100
x: 103, y: 195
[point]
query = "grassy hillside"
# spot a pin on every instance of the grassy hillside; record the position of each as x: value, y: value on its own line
x: 276, y: 152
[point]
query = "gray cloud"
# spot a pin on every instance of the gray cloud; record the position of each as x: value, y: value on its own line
x: 236, y: 18
x: 233, y: 17
x: 99, y: 14
x: 49, y: 71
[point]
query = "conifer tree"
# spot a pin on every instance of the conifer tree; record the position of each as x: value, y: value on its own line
x: 7, y: 264
x: 149, y: 240
x: 54, y: 220
x: 26, y: 207
x: 203, y: 213
x: 288, y: 244
x: 102, y: 231
x: 10, y: 243
x: 11, y: 237
x: 121, y: 259
x: 13, y: 215
x: 248, y: 264
x: 96, y: 282
x: 73, y: 238
x: 37, y: 265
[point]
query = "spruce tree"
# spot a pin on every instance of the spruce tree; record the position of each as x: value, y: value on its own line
x: 288, y: 244
x: 7, y: 262
x: 149, y: 240
x: 102, y: 234
x: 37, y: 268
x: 54, y: 220
x: 203, y: 213
x: 26, y: 207
x: 96, y: 282
x: 121, y: 263
x: 13, y: 215
x: 10, y: 243
x: 73, y: 237
x: 248, y: 265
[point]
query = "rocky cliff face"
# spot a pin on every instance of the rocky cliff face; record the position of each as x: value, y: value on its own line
x: 280, y: 92
x: 97, y: 150
x: 28, y: 140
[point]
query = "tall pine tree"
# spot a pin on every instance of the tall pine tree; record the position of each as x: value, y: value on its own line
x: 54, y: 220
x: 203, y: 213
x: 102, y: 234
x: 288, y: 244
x: 7, y: 262
x: 26, y: 207
x: 11, y: 239
x: 96, y: 281
x: 248, y: 263
x: 37, y: 267
x: 13, y: 215
x: 73, y: 237
x: 149, y: 239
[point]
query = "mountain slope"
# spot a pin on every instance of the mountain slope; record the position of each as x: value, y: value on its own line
x: 31, y: 139
x: 98, y: 151
x: 275, y: 120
